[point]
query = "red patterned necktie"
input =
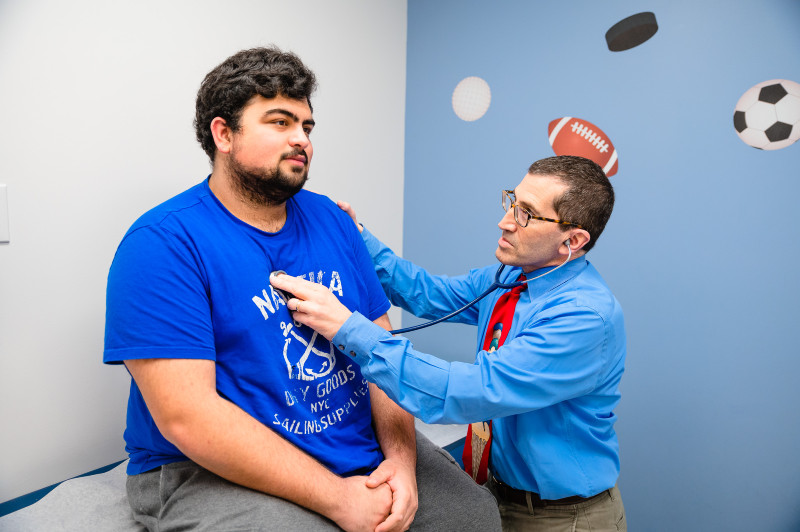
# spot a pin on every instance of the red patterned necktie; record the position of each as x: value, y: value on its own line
x: 478, y: 446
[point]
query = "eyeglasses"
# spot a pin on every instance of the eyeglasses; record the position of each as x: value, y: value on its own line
x: 522, y: 215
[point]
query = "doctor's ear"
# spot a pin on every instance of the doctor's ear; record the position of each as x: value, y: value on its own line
x: 578, y: 238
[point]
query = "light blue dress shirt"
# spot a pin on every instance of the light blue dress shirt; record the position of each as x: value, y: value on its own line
x: 550, y: 389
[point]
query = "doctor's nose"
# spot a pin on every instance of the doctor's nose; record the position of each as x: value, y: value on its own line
x: 507, y: 222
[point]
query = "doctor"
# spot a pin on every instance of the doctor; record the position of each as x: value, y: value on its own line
x: 541, y: 394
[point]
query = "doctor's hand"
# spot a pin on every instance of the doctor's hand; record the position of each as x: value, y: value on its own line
x: 346, y: 207
x: 313, y: 304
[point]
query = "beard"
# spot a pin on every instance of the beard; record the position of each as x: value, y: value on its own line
x: 267, y: 186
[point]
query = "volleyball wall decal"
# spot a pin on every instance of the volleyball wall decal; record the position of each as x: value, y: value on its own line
x: 471, y: 98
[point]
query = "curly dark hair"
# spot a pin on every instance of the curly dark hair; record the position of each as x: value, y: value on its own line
x: 226, y: 90
x: 589, y: 197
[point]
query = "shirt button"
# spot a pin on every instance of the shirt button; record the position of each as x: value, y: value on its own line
x: 341, y: 347
x: 352, y: 353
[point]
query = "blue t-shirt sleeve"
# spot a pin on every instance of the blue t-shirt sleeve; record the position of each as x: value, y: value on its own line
x: 413, y: 289
x: 377, y: 302
x: 157, y: 303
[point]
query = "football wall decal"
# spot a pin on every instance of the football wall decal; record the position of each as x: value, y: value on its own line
x: 767, y: 116
x: 575, y: 136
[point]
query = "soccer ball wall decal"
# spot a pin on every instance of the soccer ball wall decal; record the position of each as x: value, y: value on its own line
x: 767, y: 116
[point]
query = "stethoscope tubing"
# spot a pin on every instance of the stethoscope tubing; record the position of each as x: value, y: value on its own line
x: 495, y: 286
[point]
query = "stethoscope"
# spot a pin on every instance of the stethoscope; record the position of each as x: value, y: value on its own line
x: 496, y: 285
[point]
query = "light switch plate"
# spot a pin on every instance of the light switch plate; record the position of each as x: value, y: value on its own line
x: 4, y: 234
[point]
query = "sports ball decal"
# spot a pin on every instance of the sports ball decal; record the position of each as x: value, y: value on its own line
x: 631, y: 32
x: 767, y: 116
x: 471, y: 98
x: 575, y: 136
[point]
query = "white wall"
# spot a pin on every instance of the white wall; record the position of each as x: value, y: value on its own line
x: 96, y: 104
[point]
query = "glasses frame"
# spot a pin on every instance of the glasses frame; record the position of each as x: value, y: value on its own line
x: 512, y: 198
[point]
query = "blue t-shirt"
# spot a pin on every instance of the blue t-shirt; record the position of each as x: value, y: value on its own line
x: 190, y: 280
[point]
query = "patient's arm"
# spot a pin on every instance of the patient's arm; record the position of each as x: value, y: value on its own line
x: 219, y: 436
x: 394, y: 428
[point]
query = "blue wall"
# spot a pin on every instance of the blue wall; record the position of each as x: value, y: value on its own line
x: 702, y: 245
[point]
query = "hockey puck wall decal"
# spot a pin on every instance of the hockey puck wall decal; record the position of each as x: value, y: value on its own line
x: 631, y: 32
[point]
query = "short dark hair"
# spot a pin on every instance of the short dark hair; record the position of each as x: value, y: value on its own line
x: 589, y: 197
x: 228, y: 88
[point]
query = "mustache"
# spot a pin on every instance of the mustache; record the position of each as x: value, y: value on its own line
x: 294, y: 153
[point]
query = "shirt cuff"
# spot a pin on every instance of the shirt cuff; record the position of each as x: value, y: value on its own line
x: 358, y: 336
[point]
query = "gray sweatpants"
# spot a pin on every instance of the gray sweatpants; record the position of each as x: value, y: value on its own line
x: 184, y: 496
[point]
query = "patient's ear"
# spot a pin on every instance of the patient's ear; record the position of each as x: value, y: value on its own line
x: 222, y: 135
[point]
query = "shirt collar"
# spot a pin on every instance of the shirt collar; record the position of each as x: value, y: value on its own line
x: 550, y: 280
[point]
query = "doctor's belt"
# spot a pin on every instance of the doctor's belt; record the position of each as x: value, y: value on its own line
x: 509, y: 494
